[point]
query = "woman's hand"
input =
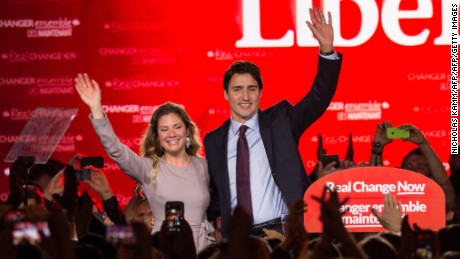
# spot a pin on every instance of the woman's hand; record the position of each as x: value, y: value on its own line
x: 90, y: 93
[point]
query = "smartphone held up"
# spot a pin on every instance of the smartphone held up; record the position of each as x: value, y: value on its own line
x: 393, y: 133
x: 30, y: 232
x: 96, y: 161
x: 84, y: 173
x: 120, y: 235
x: 174, y: 212
x: 424, y: 244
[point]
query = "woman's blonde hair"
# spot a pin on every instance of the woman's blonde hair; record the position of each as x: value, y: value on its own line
x: 133, y: 204
x: 150, y: 145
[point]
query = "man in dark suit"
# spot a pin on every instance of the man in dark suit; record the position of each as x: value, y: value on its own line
x: 277, y: 176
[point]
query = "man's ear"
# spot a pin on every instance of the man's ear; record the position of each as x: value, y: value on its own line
x: 225, y: 95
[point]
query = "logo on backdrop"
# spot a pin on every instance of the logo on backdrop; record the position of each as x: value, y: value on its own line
x: 61, y: 27
x: 220, y: 54
x: 428, y: 76
x: 311, y: 164
x: 140, y: 113
x: 130, y: 84
x: 30, y: 56
x: 436, y: 77
x: 371, y: 110
x: 121, y: 27
x: 121, y: 108
x: 435, y: 133
x: 339, y: 139
x: 219, y: 111
x: 431, y: 109
x: 67, y: 143
x: 42, y: 85
x: 11, y: 81
x: 16, y: 114
x: 143, y: 56
x: 421, y: 198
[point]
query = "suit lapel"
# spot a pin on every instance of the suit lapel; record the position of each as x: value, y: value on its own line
x: 266, y: 133
x: 222, y: 142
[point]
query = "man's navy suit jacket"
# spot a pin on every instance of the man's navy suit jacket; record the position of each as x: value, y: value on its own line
x: 281, y: 127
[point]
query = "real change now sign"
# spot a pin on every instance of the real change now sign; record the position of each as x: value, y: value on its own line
x: 422, y: 199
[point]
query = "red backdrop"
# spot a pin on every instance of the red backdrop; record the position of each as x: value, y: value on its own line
x: 396, y: 67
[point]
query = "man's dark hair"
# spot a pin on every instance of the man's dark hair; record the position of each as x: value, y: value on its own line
x: 416, y: 151
x: 242, y: 67
x: 51, y: 168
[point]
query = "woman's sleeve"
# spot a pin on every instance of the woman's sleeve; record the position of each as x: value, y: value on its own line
x: 131, y: 163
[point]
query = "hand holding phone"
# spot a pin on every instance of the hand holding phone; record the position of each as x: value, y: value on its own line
x: 393, y: 133
x: 96, y: 161
x: 174, y: 213
x: 83, y: 174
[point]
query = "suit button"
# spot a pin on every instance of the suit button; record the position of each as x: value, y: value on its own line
x: 273, y: 173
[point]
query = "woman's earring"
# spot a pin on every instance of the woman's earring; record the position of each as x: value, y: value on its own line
x: 187, y: 142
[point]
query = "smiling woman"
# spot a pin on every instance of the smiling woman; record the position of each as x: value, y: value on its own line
x: 171, y: 135
x: 169, y: 168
